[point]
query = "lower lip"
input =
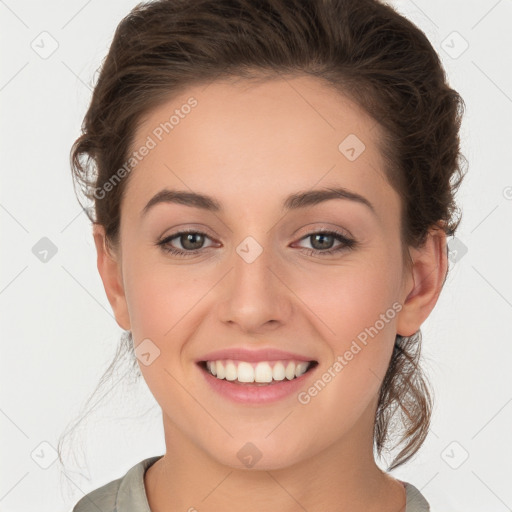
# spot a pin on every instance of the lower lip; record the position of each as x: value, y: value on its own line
x: 254, y: 394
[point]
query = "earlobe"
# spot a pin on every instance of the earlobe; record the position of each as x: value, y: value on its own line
x: 424, y: 282
x: 111, y: 275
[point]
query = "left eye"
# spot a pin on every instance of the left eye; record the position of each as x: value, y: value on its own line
x: 324, y: 240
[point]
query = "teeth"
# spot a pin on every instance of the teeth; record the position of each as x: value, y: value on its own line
x: 231, y: 373
x: 290, y: 371
x: 278, y: 371
x: 301, y: 368
x: 261, y: 372
x: 211, y: 367
x: 221, y: 373
x: 245, y: 372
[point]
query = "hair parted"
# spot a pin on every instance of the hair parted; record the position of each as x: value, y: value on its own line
x: 364, y: 49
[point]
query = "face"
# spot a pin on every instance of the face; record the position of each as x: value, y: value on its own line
x: 321, y: 280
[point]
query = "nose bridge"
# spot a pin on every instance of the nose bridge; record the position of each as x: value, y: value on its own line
x: 251, y: 264
x: 254, y: 295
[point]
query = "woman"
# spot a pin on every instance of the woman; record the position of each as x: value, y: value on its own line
x: 273, y: 184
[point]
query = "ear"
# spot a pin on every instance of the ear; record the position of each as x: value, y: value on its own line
x: 109, y: 268
x: 425, y: 279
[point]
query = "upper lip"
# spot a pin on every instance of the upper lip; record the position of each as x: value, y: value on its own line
x: 244, y: 354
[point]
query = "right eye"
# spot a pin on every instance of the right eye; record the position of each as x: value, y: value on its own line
x: 191, y: 242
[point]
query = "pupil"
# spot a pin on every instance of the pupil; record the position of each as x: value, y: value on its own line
x: 190, y: 238
x: 322, y: 238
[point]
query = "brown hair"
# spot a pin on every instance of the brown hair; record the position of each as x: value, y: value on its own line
x: 362, y: 48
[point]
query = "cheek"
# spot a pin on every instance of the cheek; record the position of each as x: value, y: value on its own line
x: 347, y: 300
x: 148, y: 306
x: 355, y: 311
x: 162, y: 302
x: 158, y: 296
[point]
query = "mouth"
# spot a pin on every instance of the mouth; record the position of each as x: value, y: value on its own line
x: 257, y: 373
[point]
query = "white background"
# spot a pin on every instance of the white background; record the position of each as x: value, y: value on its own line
x: 58, y: 332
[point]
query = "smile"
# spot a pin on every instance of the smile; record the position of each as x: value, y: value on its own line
x: 262, y: 372
x: 256, y: 383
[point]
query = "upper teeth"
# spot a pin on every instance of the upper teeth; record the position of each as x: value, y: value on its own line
x: 263, y: 371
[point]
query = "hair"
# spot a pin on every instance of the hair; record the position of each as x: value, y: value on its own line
x: 365, y: 50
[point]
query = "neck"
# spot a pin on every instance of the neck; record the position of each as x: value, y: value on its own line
x: 342, y: 478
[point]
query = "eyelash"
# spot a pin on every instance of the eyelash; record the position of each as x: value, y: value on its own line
x: 347, y: 243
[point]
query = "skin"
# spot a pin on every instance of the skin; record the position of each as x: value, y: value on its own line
x: 249, y: 146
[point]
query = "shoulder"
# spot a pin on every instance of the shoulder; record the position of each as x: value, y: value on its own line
x: 103, y: 498
x: 416, y: 502
x: 125, y: 494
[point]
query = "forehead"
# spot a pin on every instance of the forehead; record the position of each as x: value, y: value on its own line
x: 235, y: 138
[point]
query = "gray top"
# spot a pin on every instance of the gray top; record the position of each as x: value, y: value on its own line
x: 128, y: 494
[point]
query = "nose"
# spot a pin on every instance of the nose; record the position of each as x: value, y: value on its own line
x: 254, y: 296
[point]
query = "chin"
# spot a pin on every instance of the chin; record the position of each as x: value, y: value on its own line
x: 260, y: 454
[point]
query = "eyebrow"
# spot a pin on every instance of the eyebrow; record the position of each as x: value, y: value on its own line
x: 292, y: 202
